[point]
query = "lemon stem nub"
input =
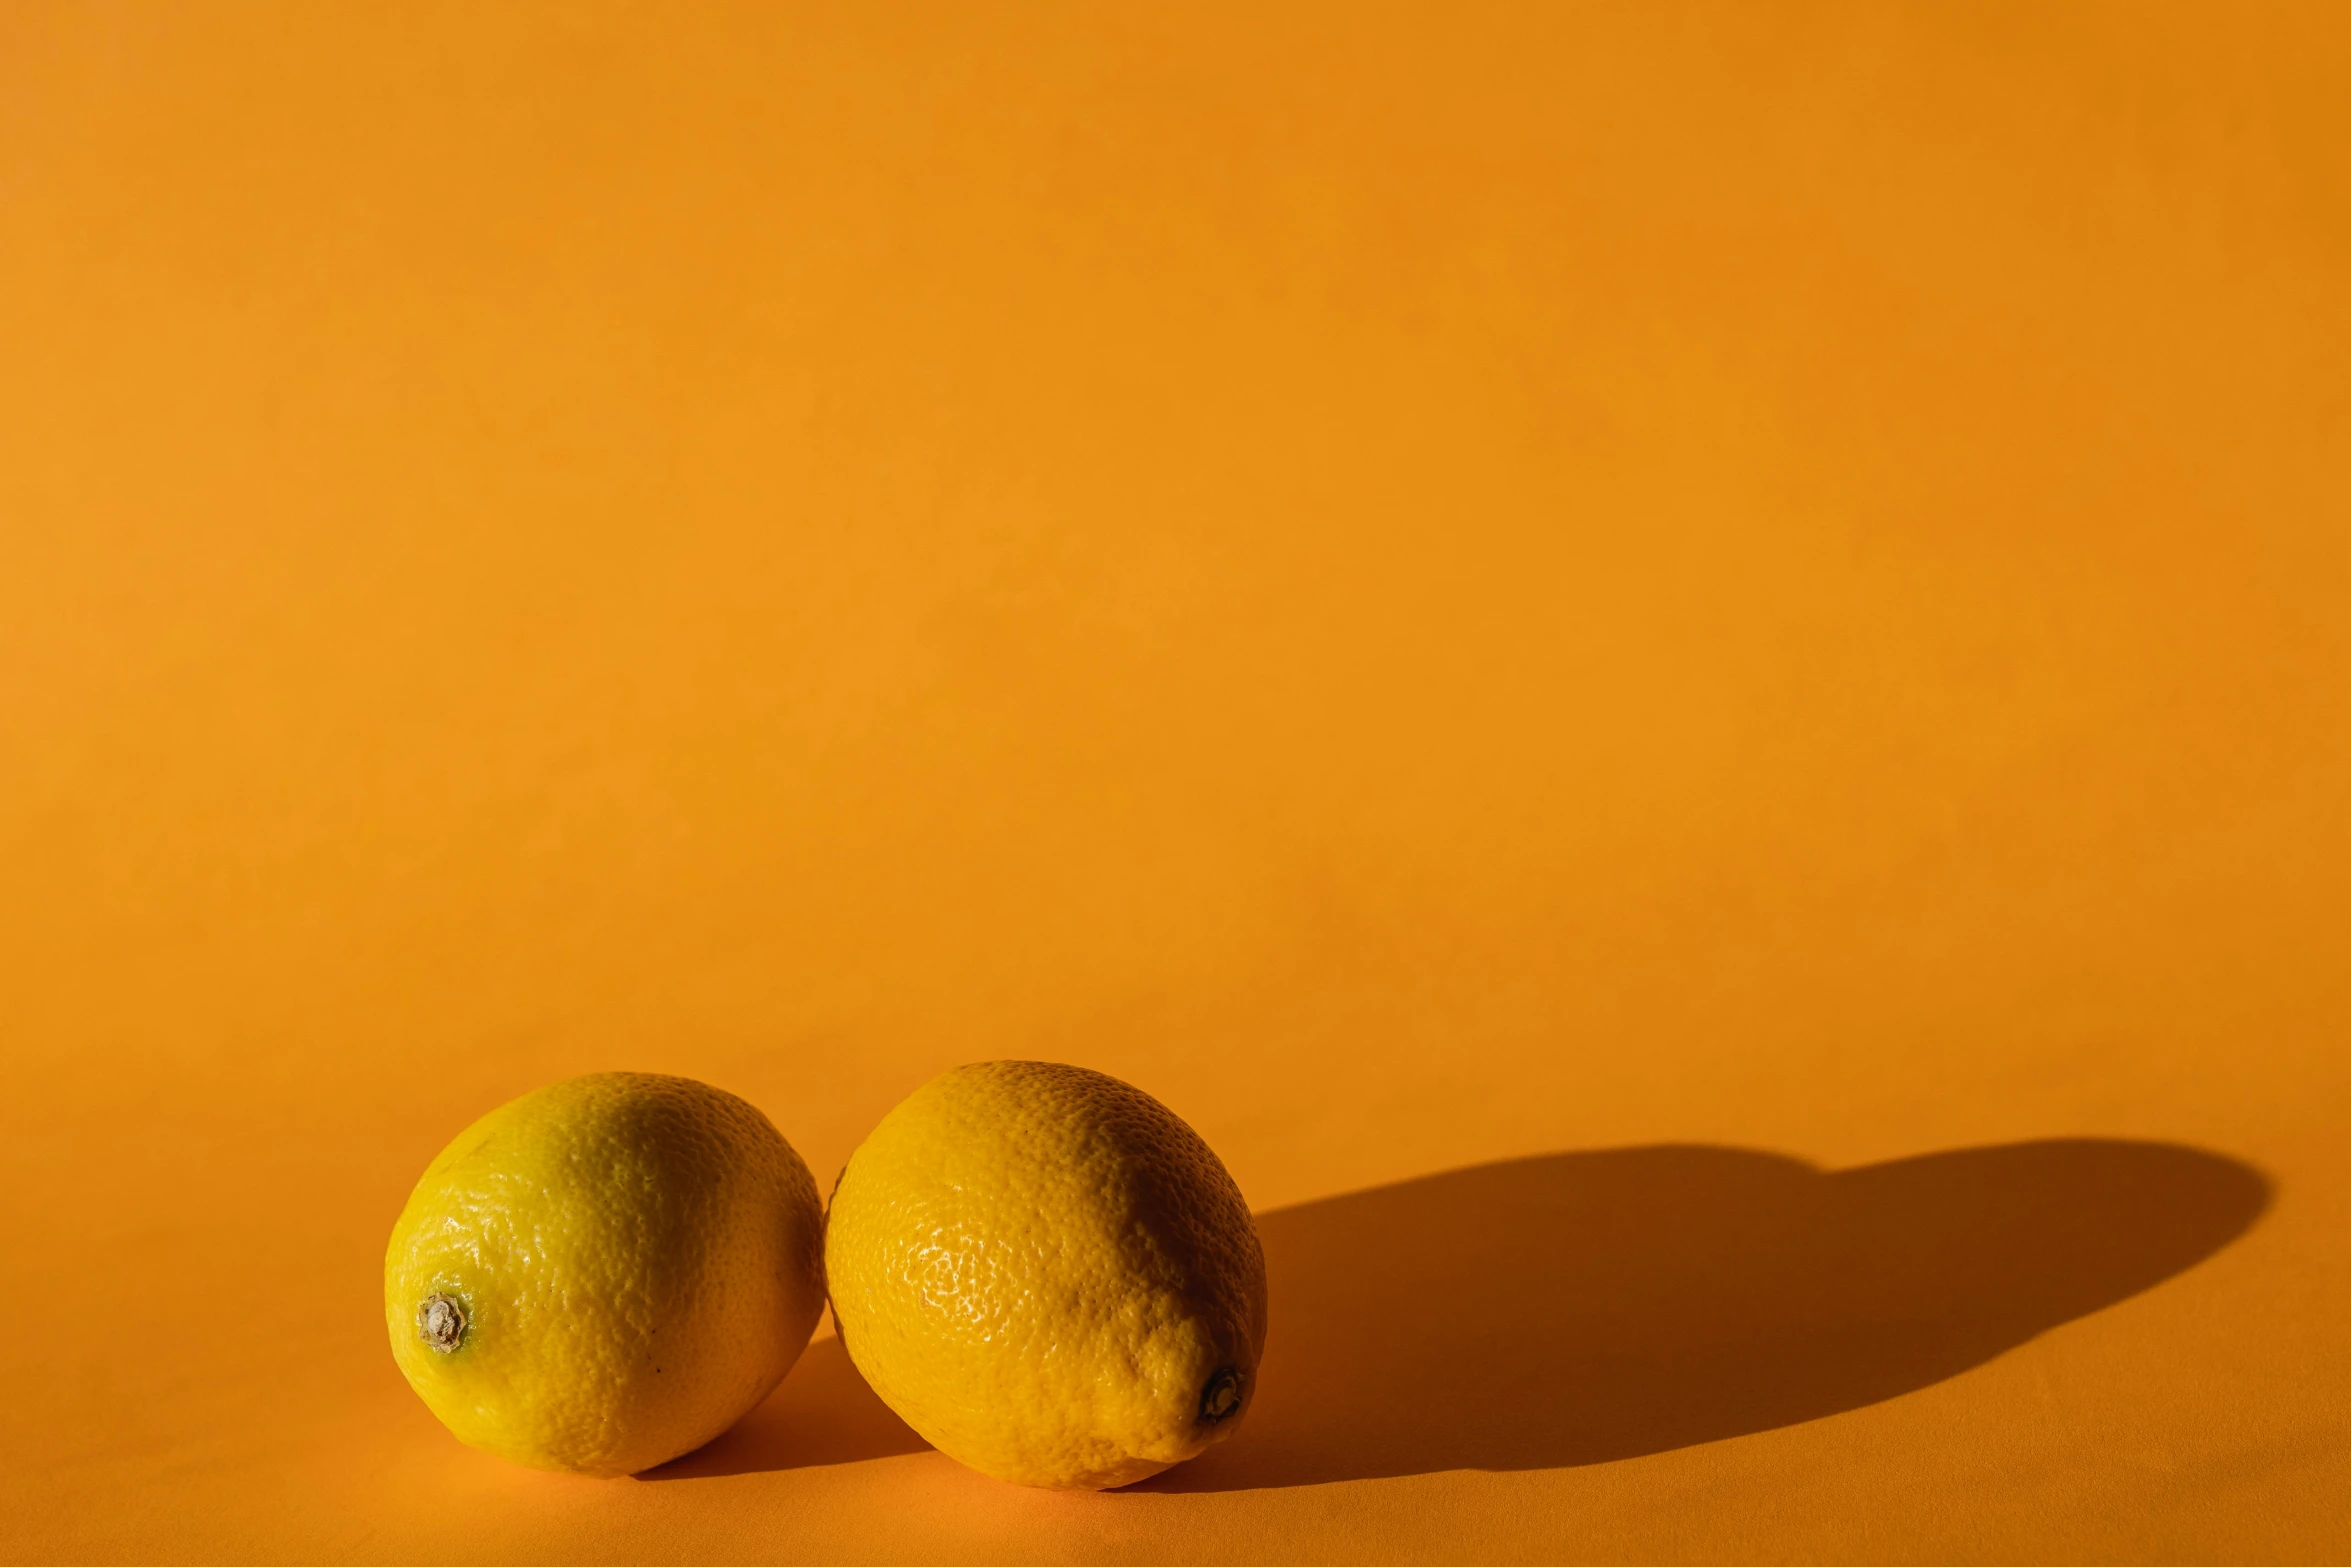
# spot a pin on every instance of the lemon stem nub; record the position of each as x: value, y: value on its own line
x: 1221, y: 1396
x: 441, y: 1322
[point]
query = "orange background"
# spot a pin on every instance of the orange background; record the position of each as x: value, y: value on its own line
x: 1548, y: 619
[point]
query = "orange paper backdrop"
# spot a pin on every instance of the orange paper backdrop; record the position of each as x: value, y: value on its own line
x: 1679, y: 668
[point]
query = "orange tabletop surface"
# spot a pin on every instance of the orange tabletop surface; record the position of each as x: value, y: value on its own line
x: 1682, y: 669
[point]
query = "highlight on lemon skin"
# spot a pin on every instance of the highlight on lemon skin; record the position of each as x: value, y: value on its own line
x: 606, y: 1273
x: 1048, y: 1275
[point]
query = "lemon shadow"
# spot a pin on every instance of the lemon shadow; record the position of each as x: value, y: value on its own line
x: 1578, y: 1308
x: 1582, y: 1307
x: 823, y: 1413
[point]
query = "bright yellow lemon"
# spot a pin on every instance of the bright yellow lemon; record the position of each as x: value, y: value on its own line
x: 606, y: 1273
x: 1048, y: 1275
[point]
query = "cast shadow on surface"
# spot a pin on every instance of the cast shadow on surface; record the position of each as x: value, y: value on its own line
x: 823, y: 1414
x: 1583, y: 1307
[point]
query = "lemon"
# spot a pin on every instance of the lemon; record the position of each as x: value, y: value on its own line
x: 605, y: 1273
x: 1048, y: 1276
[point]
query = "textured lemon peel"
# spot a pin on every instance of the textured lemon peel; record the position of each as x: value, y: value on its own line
x: 1046, y: 1274
x: 634, y: 1262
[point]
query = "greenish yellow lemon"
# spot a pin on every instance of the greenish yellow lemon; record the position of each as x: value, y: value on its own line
x: 605, y: 1273
x: 1048, y: 1276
